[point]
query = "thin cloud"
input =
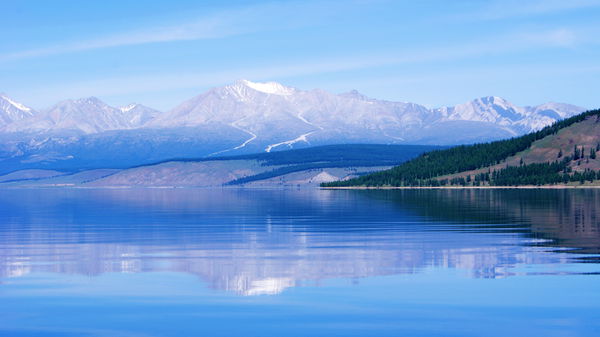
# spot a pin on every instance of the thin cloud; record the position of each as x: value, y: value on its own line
x: 218, y: 25
x: 493, y: 45
x: 560, y: 37
x: 506, y: 9
x: 205, y: 28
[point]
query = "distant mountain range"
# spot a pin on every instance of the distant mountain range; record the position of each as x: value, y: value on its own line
x: 86, y: 115
x: 247, y: 117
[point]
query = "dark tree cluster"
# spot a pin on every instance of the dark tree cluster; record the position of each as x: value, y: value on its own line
x: 558, y: 172
x: 424, y: 170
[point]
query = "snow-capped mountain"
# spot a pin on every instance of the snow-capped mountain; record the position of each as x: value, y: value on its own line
x: 86, y: 115
x: 499, y: 111
x: 555, y: 110
x: 270, y: 112
x: 277, y: 117
x: 12, y: 111
x: 137, y: 115
x: 246, y: 117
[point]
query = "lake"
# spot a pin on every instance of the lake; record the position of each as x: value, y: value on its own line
x: 229, y: 262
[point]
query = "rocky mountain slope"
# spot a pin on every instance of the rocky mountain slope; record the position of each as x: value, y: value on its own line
x: 87, y: 115
x: 246, y: 117
x: 12, y: 111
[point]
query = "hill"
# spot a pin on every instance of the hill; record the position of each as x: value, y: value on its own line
x: 309, y: 166
x: 562, y: 153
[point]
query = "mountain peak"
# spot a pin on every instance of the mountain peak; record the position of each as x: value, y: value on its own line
x: 15, y: 104
x: 272, y: 88
x: 500, y: 106
x: 356, y: 95
x: 89, y: 100
x: 488, y: 100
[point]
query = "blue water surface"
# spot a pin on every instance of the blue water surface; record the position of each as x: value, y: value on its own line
x: 232, y: 262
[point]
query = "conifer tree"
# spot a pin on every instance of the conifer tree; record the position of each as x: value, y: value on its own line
x: 425, y: 169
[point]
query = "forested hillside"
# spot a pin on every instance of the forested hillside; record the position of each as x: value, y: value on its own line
x: 561, y: 153
x: 344, y: 155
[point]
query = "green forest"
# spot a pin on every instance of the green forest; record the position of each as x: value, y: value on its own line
x: 335, y: 155
x: 425, y: 169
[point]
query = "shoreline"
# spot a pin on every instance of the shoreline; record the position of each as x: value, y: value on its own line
x: 295, y: 187
x: 523, y: 187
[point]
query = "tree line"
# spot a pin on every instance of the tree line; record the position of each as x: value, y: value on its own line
x: 425, y: 169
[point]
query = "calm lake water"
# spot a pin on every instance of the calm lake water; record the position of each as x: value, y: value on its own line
x: 299, y: 263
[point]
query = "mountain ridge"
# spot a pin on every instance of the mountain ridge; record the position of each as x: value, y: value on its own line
x: 250, y: 117
x: 192, y: 111
x: 12, y: 111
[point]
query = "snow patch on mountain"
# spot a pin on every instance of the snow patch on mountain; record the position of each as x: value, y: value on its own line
x: 301, y: 138
x: 272, y: 88
x: 12, y: 111
x: 137, y: 115
x: 252, y: 135
x: 128, y: 108
x: 15, y: 104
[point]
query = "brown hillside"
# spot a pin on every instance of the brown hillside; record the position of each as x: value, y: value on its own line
x: 585, y: 133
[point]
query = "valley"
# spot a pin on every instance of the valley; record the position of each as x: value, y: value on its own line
x: 293, y: 168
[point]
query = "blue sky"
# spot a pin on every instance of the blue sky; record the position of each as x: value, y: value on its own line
x: 436, y: 53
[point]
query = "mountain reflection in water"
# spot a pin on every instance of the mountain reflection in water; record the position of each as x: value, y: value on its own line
x: 254, y: 242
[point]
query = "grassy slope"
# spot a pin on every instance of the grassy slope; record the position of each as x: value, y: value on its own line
x: 585, y: 133
x: 541, y: 147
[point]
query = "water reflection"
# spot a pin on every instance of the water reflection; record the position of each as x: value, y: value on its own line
x: 262, y: 242
x: 566, y: 219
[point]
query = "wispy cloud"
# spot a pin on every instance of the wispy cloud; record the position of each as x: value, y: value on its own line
x: 277, y: 16
x: 203, y: 28
x: 561, y: 37
x: 507, y: 9
x: 493, y: 45
x: 225, y: 23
